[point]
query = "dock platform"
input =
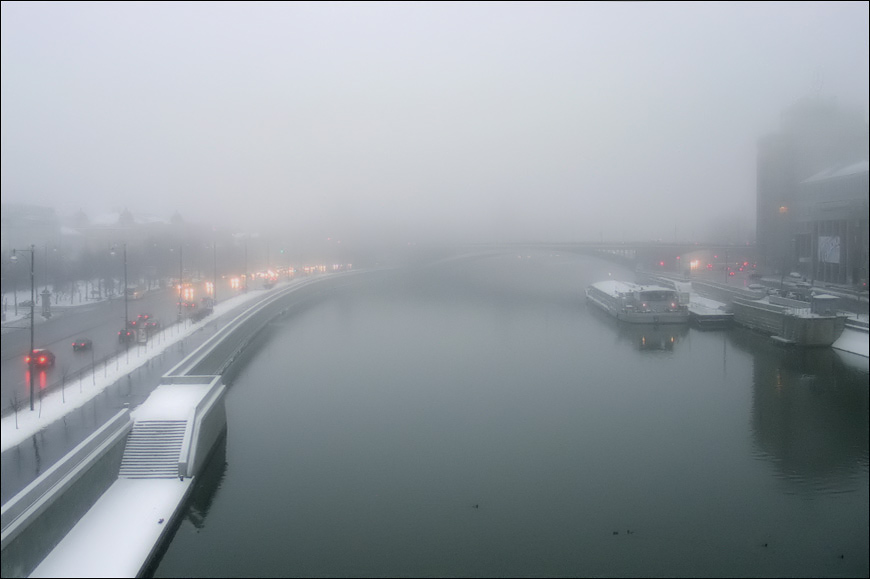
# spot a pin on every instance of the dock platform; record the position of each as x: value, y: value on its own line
x: 707, y: 313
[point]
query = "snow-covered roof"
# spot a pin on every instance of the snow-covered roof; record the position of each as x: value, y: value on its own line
x: 105, y: 219
x: 64, y: 230
x: 840, y: 171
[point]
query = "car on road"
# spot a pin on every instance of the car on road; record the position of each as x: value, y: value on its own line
x: 41, y: 358
x: 126, y: 335
x: 82, y: 344
x: 135, y: 293
x: 148, y: 322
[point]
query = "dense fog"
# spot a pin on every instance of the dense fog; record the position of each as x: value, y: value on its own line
x: 411, y: 122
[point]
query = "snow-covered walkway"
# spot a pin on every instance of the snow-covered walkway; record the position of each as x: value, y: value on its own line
x: 54, y: 406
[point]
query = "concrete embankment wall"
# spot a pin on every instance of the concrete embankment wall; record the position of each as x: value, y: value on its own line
x: 40, y: 516
x: 218, y: 353
x: 205, y: 426
x: 210, y: 424
x: 207, y: 423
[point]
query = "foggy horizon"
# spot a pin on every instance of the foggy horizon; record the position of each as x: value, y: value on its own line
x: 419, y: 122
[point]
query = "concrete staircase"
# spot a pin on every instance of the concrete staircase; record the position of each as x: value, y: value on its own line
x: 153, y: 448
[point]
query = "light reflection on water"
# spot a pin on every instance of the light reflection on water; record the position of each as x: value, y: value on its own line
x: 477, y: 419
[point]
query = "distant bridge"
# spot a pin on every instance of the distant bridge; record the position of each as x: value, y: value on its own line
x: 649, y: 255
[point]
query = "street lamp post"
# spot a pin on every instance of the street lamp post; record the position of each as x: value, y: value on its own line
x: 30, y: 356
x: 727, y: 267
x: 180, y: 279
x: 214, y: 272
x: 126, y: 307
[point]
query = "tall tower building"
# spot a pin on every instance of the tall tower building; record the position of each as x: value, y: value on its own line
x: 815, y: 135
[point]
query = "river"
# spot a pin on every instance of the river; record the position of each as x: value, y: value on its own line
x: 477, y: 418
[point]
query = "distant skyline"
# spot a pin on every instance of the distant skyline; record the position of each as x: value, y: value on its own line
x: 416, y: 121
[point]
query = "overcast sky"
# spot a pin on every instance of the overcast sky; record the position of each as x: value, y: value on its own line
x: 614, y: 121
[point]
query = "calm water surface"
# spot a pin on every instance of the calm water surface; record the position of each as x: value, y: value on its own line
x: 477, y: 419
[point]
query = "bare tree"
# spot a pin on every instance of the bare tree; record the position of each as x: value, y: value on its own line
x: 15, y: 404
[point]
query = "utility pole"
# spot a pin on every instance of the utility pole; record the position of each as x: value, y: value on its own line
x: 727, y: 267
x: 30, y: 356
x: 214, y: 272
x: 126, y: 306
x: 180, y: 278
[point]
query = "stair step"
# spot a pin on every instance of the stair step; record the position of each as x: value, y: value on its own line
x: 153, y: 448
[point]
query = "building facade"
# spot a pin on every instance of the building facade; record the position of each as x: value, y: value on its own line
x: 817, y: 140
x: 831, y: 225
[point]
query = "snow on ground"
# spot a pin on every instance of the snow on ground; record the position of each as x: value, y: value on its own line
x: 17, y: 317
x: 854, y: 341
x: 133, y: 513
x: 706, y: 303
x: 171, y: 402
x: 117, y: 534
x: 55, y: 405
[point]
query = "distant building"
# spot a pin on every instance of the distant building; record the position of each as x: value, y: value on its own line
x: 815, y: 136
x: 831, y: 225
x: 23, y: 225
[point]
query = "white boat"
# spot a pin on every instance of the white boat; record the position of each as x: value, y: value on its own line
x: 638, y: 304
